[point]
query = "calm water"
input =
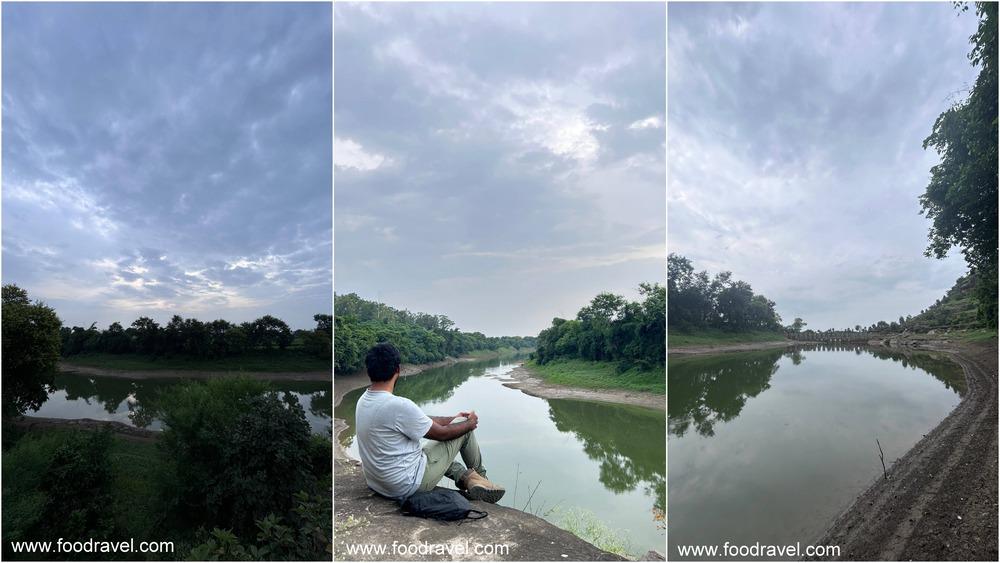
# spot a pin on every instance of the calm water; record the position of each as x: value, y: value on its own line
x: 771, y: 446
x: 112, y: 398
x: 564, y: 454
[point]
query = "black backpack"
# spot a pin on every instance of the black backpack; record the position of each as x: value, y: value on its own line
x: 440, y: 504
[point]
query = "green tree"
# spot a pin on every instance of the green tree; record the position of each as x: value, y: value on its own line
x: 961, y: 198
x: 269, y: 332
x: 31, y: 346
x: 239, y: 452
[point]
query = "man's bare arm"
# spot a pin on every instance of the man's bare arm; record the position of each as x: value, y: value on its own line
x: 443, y: 432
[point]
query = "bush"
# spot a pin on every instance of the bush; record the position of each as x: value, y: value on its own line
x: 305, y: 538
x: 321, y: 456
x: 77, y: 483
x: 239, y: 450
x: 57, y: 484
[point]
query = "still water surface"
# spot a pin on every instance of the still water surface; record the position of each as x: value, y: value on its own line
x: 771, y: 446
x: 113, y: 398
x: 551, y: 455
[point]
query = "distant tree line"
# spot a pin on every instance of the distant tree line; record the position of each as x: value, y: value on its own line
x: 611, y: 328
x: 698, y: 301
x: 420, y: 337
x: 193, y: 338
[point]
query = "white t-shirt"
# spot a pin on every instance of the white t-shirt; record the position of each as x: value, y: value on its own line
x: 389, y: 429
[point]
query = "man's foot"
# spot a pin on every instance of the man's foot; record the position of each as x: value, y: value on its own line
x: 477, y: 487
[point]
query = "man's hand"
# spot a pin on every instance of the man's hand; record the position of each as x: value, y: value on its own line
x: 471, y: 417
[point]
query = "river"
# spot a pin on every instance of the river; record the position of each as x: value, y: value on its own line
x: 560, y: 459
x: 771, y: 446
x: 77, y: 395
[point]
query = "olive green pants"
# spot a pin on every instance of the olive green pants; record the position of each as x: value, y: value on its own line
x: 441, y: 460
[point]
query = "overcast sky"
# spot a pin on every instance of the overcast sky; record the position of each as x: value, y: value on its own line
x: 500, y: 164
x: 168, y: 158
x: 795, y: 150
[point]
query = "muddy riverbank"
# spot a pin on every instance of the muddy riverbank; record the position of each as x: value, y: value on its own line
x: 940, y: 500
x: 702, y: 350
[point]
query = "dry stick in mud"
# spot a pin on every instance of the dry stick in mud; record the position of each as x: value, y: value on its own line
x: 881, y: 456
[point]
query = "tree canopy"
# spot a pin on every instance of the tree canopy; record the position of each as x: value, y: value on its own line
x: 961, y: 198
x: 420, y: 337
x: 611, y: 328
x: 30, y: 350
x: 699, y: 301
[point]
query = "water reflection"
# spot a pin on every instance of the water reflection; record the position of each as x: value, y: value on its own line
x: 133, y: 401
x: 628, y: 443
x: 554, y: 456
x: 707, y: 390
x: 770, y: 446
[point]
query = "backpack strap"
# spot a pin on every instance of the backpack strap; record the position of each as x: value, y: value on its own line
x: 480, y: 514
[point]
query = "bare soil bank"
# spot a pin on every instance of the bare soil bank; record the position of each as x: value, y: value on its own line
x: 530, y: 383
x: 940, y: 501
x: 195, y: 374
x: 121, y: 429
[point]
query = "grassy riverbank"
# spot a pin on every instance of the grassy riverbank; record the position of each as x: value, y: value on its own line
x: 270, y: 361
x: 600, y: 375
x: 132, y: 506
x: 713, y: 337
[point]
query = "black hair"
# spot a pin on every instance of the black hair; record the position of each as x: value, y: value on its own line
x: 382, y: 361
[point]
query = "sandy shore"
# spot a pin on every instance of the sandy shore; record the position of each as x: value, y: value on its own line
x: 940, y: 501
x: 526, y: 381
x: 194, y: 374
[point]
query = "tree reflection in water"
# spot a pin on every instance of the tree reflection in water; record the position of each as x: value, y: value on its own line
x: 706, y: 390
x: 628, y: 442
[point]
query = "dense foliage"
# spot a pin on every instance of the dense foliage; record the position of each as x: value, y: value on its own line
x: 193, y: 338
x: 961, y: 198
x: 63, y: 488
x: 420, y: 337
x: 698, y: 301
x: 613, y: 329
x: 303, y: 537
x: 239, y: 451
x: 236, y: 461
x: 30, y: 351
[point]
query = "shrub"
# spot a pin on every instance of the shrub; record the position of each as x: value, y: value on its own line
x: 239, y: 450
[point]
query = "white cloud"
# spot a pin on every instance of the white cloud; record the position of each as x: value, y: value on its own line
x: 652, y: 122
x: 349, y: 154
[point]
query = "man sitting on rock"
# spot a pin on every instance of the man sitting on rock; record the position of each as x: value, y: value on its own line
x: 389, y: 429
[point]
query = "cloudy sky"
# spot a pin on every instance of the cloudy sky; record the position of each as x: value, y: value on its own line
x: 168, y: 158
x: 795, y: 150
x: 500, y: 164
